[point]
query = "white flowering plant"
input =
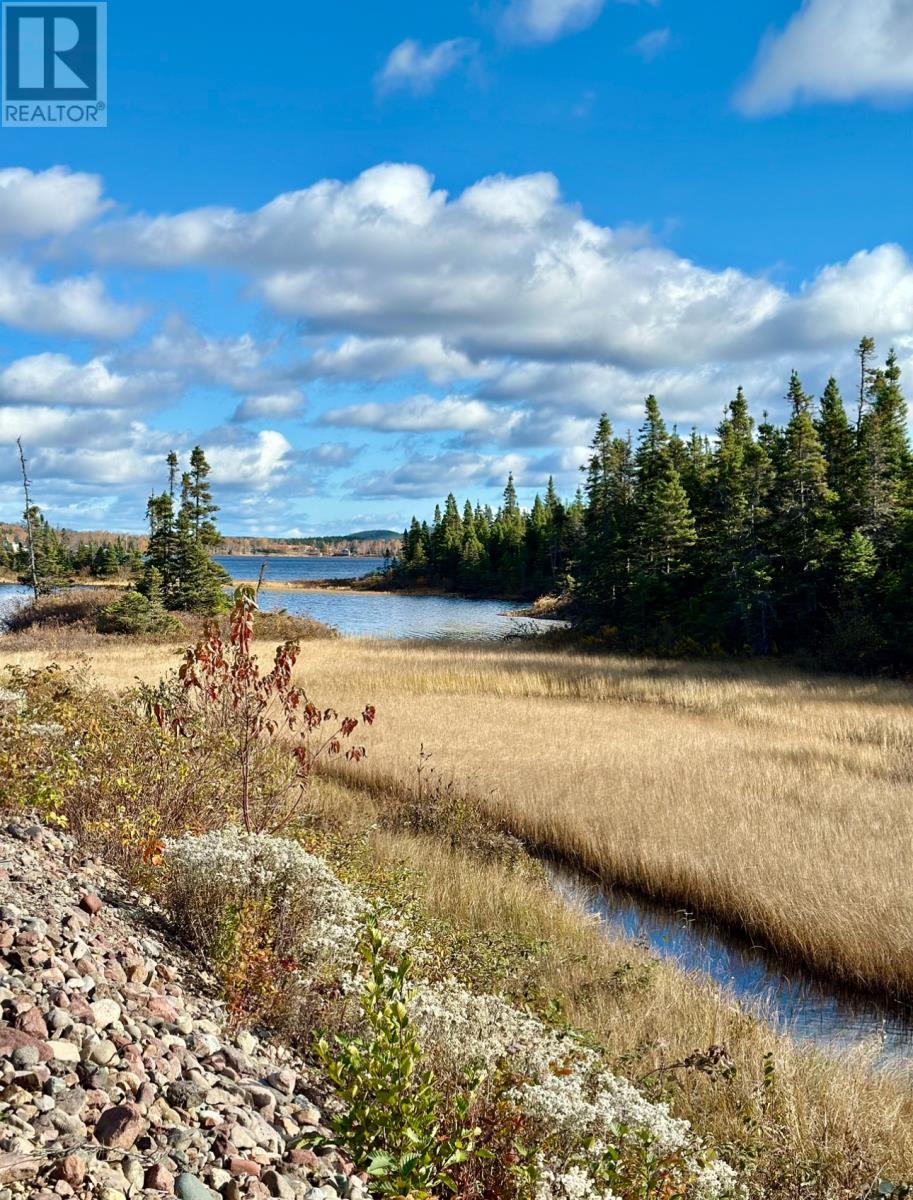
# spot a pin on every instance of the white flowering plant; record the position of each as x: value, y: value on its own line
x: 439, y: 1086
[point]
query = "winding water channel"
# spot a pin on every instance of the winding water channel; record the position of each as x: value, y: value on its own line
x: 788, y: 998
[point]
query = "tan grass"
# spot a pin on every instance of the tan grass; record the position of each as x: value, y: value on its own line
x: 780, y: 802
x: 824, y: 1128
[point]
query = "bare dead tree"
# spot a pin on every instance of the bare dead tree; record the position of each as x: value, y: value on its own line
x: 28, y: 520
x: 261, y: 576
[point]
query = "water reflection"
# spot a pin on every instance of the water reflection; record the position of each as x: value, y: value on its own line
x: 384, y: 614
x: 790, y: 999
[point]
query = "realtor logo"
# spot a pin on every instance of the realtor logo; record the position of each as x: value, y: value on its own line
x: 55, y: 65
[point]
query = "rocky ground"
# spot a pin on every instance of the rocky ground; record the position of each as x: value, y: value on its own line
x: 119, y: 1075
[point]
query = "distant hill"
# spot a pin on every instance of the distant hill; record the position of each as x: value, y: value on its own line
x: 366, y: 543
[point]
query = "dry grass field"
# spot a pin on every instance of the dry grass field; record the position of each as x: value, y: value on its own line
x: 778, y: 802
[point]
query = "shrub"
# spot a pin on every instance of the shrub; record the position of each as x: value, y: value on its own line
x: 313, y: 915
x: 265, y: 729
x: 134, y: 613
x: 279, y: 623
x: 38, y: 765
x: 71, y: 607
x: 392, y: 1122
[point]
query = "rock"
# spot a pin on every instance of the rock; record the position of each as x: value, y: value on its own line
x: 119, y: 1127
x: 244, y: 1166
x: 158, y: 1179
x: 64, y: 1051
x: 32, y: 1022
x: 25, y: 1056
x: 134, y: 1174
x: 188, y: 1187
x: 159, y: 1006
x: 89, y: 902
x: 102, y: 1052
x: 15, y: 1167
x: 17, y: 1039
x: 105, y: 1012
x: 71, y: 1170
x: 247, y: 1043
x: 278, y: 1185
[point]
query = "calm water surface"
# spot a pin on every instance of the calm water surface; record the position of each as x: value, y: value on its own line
x: 376, y: 614
x: 789, y: 999
x: 364, y: 614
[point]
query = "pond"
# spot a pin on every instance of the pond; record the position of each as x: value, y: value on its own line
x: 787, y: 997
x: 364, y: 614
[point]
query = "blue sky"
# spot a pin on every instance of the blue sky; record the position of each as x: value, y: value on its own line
x: 366, y: 254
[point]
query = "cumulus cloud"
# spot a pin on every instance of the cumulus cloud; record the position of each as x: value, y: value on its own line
x: 420, y: 414
x: 546, y: 20
x: 834, y: 50
x: 255, y: 464
x: 43, y: 425
x: 433, y: 476
x: 197, y: 358
x: 56, y: 378
x: 375, y: 359
x: 268, y: 407
x: 34, y: 204
x: 506, y: 270
x: 417, y: 69
x: 75, y: 306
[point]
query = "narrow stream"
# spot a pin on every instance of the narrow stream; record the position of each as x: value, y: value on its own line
x: 790, y: 999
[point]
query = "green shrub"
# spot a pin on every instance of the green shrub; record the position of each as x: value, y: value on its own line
x: 134, y: 613
x: 392, y: 1120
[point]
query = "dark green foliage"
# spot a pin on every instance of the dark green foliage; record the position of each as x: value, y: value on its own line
x: 795, y: 539
x: 178, y: 567
x: 134, y: 613
x: 52, y: 566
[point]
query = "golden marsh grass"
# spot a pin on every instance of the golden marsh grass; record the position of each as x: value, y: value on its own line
x: 778, y: 802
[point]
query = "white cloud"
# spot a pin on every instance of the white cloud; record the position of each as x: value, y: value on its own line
x: 55, y: 378
x: 508, y: 270
x: 413, y: 67
x: 652, y: 44
x: 420, y: 414
x: 34, y: 204
x: 375, y: 359
x: 546, y: 20
x: 834, y: 50
x: 76, y: 306
x: 275, y: 404
x: 432, y: 477
x: 196, y: 358
x: 258, y: 464
x: 537, y: 21
x: 43, y: 425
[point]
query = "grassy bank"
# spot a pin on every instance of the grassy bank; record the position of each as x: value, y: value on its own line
x: 778, y: 801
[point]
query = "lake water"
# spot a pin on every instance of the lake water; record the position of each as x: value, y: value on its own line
x: 375, y: 614
x: 281, y: 567
x: 364, y: 614
x: 789, y: 998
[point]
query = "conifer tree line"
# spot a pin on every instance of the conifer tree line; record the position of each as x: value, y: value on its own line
x: 176, y: 573
x: 59, y: 559
x: 790, y: 539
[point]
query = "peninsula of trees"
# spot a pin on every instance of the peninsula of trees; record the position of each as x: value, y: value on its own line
x: 769, y: 539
